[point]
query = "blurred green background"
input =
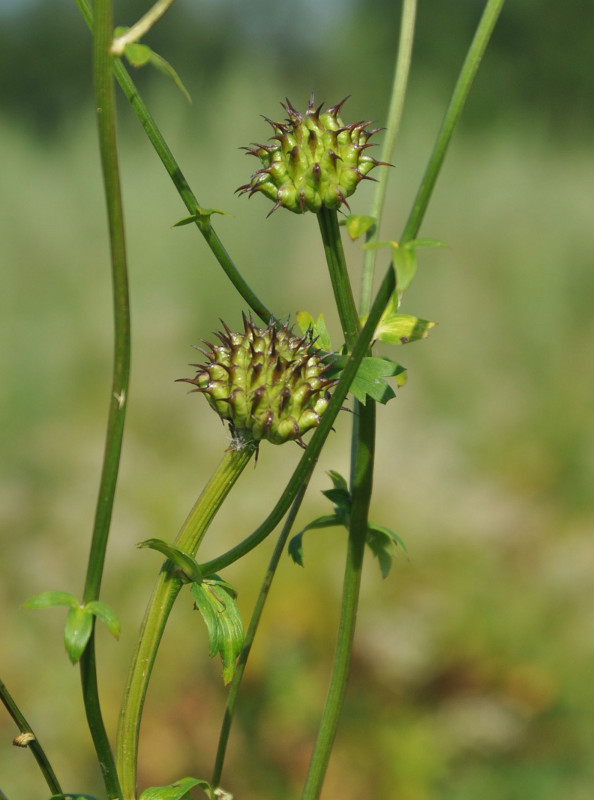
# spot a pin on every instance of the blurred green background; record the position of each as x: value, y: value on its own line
x: 472, y: 675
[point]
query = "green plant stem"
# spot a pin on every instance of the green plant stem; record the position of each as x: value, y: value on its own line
x: 361, y: 485
x: 34, y: 745
x: 251, y: 632
x: 400, y: 82
x: 341, y: 285
x: 319, y: 436
x: 178, y: 179
x: 467, y: 74
x: 105, y: 104
x: 166, y: 590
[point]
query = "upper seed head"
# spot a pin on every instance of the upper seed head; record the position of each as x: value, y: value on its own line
x: 314, y: 160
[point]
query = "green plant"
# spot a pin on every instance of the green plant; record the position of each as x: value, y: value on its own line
x: 268, y: 383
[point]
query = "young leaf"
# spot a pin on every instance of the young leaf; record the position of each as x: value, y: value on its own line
x: 338, y: 480
x: 200, y: 216
x: 358, y: 225
x: 50, y: 599
x: 382, y: 542
x: 402, y: 328
x: 306, y: 323
x: 370, y: 379
x: 186, y: 563
x: 79, y: 623
x: 176, y: 791
x: 295, y: 548
x: 216, y: 602
x: 107, y: 616
x: 138, y: 55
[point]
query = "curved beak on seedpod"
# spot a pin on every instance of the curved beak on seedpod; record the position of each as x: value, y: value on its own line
x: 265, y: 382
x: 314, y: 159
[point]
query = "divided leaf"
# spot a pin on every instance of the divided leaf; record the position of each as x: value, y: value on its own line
x: 381, y: 540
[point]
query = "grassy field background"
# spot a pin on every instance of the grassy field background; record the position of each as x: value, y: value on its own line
x: 472, y: 670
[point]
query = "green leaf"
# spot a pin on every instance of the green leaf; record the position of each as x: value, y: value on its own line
x: 215, y: 600
x: 139, y: 55
x: 358, y: 225
x: 50, y: 599
x: 405, y: 264
x: 370, y: 379
x: 186, y: 563
x: 402, y: 329
x: 340, y: 499
x: 201, y: 215
x: 295, y: 548
x: 107, y: 616
x: 383, y: 542
x: 177, y: 790
x: 319, y: 331
x: 338, y: 480
x: 79, y: 624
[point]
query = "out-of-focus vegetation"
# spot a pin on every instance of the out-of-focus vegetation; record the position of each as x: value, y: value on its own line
x: 472, y: 675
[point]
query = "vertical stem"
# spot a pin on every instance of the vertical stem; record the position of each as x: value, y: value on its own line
x: 341, y: 285
x: 102, y: 70
x: 363, y: 446
x: 361, y: 485
x: 166, y: 590
x: 407, y: 26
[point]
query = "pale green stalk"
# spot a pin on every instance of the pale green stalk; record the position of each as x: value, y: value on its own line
x: 400, y: 82
x: 138, y: 30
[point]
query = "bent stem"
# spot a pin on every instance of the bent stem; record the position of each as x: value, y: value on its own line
x: 164, y: 594
x: 179, y: 181
x: 34, y: 745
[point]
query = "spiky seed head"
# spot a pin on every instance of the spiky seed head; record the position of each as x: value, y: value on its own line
x: 314, y: 159
x: 265, y: 382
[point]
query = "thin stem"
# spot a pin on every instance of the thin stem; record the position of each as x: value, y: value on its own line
x: 164, y: 594
x: 179, y: 181
x: 251, y: 632
x: 105, y: 104
x: 144, y: 24
x: 341, y: 285
x: 361, y: 485
x: 452, y: 115
x: 401, y: 73
x: 33, y: 743
x: 319, y: 436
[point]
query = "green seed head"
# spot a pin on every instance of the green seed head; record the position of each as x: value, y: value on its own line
x: 265, y: 382
x: 314, y: 160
